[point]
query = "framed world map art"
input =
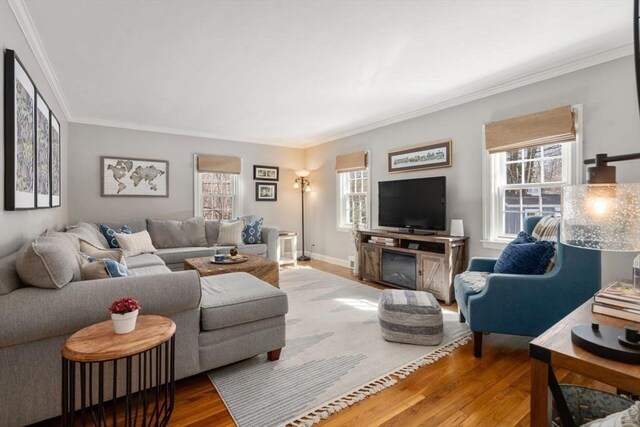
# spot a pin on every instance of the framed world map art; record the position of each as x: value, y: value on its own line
x: 129, y: 177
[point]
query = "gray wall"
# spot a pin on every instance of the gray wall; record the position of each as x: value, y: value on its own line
x: 87, y: 143
x: 17, y: 227
x: 611, y: 124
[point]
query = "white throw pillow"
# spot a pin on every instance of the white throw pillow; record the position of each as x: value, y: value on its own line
x: 230, y: 233
x: 135, y: 243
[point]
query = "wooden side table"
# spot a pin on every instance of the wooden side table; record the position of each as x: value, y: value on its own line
x: 148, y: 357
x: 290, y: 255
x: 554, y: 349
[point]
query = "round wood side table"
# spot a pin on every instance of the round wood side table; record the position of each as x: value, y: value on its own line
x: 144, y: 357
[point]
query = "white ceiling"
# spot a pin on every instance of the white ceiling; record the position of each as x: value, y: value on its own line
x: 303, y: 72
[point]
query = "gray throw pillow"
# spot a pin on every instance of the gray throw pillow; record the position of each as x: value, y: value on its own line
x: 90, y: 233
x: 230, y: 233
x: 51, y: 261
x: 177, y: 234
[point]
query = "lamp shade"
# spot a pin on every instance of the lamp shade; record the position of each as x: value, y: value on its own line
x: 601, y: 216
x: 302, y: 172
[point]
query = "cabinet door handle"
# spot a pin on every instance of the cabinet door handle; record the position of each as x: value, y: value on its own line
x: 419, y: 272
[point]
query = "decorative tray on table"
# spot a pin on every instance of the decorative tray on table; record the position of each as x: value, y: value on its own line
x: 228, y: 259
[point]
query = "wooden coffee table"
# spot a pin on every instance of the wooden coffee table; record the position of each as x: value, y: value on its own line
x: 258, y: 266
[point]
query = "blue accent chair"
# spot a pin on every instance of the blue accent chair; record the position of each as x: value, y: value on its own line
x: 528, y: 305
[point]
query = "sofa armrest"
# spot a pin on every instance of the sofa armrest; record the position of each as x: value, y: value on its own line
x: 270, y: 238
x: 482, y: 264
x: 30, y: 314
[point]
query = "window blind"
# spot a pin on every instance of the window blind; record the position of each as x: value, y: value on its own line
x: 351, y: 162
x: 546, y: 127
x: 219, y: 164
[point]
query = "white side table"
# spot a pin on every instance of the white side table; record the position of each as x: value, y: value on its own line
x: 288, y: 248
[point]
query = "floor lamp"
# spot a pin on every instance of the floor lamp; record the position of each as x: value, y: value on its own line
x: 304, y: 185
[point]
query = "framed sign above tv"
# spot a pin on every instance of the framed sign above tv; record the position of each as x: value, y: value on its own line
x: 433, y: 155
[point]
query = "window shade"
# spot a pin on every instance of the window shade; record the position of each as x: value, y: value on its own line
x: 218, y: 164
x: 351, y: 162
x: 546, y: 127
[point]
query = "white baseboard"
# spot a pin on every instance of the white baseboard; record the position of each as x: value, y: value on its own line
x: 331, y: 260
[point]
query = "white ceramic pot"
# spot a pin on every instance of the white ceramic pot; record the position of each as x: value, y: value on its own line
x: 124, y: 323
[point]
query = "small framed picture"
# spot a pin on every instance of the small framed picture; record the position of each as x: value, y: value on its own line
x: 266, y: 192
x: 436, y: 154
x: 266, y: 173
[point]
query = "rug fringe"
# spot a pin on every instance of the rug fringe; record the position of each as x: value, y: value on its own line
x: 324, y: 411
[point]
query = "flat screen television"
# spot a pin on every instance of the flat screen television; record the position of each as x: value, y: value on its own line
x: 413, y: 204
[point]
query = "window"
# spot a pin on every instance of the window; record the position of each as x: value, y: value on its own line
x: 353, y: 192
x: 216, y: 195
x: 524, y: 182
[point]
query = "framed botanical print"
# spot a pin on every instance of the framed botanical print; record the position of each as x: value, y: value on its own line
x: 56, y: 183
x: 43, y: 153
x: 266, y: 191
x: 19, y: 134
x: 266, y: 173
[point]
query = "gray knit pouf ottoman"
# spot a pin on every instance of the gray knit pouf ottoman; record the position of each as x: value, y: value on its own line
x: 412, y: 317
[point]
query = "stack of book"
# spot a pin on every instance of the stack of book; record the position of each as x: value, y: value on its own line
x: 618, y: 300
x: 387, y: 241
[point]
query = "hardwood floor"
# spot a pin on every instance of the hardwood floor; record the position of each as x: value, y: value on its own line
x: 458, y: 390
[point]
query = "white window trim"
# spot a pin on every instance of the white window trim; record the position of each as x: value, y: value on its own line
x: 339, y: 226
x: 491, y: 199
x: 197, y: 185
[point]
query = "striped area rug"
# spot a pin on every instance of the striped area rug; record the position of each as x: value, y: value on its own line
x: 335, y: 355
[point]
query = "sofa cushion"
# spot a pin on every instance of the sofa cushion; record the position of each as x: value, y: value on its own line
x: 178, y: 255
x: 177, y: 234
x: 230, y: 233
x: 143, y: 260
x: 252, y: 232
x: 237, y: 298
x: 211, y: 229
x: 135, y: 243
x: 51, y: 261
x: 9, y: 280
x: 89, y: 232
x: 110, y: 233
x: 149, y: 270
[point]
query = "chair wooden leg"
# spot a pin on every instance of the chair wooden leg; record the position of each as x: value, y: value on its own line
x: 477, y: 344
x: 461, y: 317
x: 274, y: 354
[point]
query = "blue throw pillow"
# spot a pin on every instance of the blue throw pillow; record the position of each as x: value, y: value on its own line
x: 252, y: 232
x: 110, y: 234
x: 115, y: 269
x: 523, y: 256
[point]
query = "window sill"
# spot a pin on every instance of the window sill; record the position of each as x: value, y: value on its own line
x: 495, y: 244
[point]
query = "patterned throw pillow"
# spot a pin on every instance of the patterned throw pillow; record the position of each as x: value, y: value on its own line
x: 547, y: 228
x: 135, y: 243
x: 252, y: 232
x: 110, y: 234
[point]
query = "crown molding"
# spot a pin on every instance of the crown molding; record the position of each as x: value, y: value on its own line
x: 25, y: 22
x: 567, y: 67
x: 175, y: 131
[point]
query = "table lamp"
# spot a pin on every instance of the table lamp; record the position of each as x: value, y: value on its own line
x: 604, y: 215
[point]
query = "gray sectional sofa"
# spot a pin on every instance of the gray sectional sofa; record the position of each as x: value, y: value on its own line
x: 219, y: 319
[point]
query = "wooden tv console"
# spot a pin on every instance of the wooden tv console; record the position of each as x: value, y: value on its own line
x: 438, y: 259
